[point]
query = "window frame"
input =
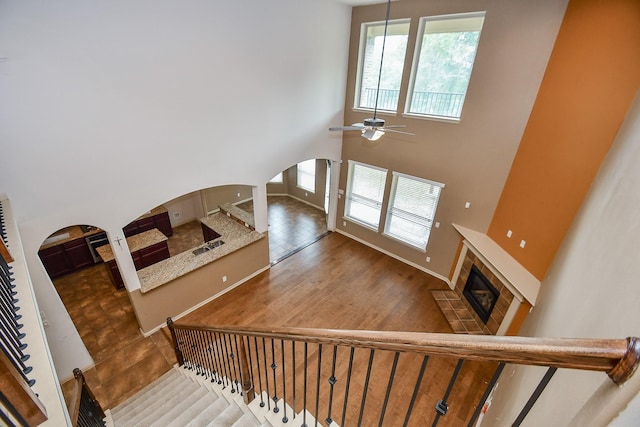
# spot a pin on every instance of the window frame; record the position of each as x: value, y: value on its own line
x: 416, y: 63
x: 361, y: 59
x: 349, y: 191
x: 301, y: 169
x: 390, y: 207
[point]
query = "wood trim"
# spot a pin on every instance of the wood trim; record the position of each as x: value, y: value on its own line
x: 74, y: 401
x: 4, y: 251
x: 618, y: 357
x: 19, y: 394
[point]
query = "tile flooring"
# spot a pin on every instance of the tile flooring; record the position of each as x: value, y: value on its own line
x: 293, y: 225
x: 106, y: 321
x: 456, y: 313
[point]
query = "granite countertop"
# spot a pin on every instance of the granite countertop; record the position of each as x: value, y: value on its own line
x: 68, y: 234
x: 234, y: 235
x: 135, y: 243
x: 239, y: 215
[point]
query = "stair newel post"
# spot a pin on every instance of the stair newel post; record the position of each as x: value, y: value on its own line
x: 243, y: 361
x: 176, y: 347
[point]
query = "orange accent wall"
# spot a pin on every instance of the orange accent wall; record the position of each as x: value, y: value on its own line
x: 591, y: 79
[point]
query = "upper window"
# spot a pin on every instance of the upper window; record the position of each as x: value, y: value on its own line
x: 365, y: 190
x: 395, y: 47
x: 307, y: 175
x: 412, y: 207
x: 442, y: 65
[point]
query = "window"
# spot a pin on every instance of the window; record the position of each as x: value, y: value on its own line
x: 445, y: 52
x: 365, y: 189
x: 276, y: 179
x: 412, y: 207
x: 371, y: 39
x: 307, y: 175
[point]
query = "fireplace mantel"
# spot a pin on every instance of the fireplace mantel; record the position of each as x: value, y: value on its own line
x: 523, y: 284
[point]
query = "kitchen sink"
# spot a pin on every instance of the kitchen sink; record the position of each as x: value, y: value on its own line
x: 210, y: 245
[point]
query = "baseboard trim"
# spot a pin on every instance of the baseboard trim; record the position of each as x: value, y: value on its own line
x: 306, y: 202
x: 399, y: 258
x: 208, y: 300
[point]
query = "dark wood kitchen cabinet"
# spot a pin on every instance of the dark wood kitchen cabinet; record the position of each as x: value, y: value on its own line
x: 160, y: 221
x: 67, y: 257
x: 141, y: 259
x: 55, y: 261
x: 78, y: 253
x: 208, y: 233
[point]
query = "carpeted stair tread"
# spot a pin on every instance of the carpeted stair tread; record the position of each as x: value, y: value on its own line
x: 205, y: 402
x: 138, y: 399
x: 164, y: 399
x: 180, y: 410
x: 246, y: 420
x: 141, y: 398
x: 205, y: 417
x: 227, y: 417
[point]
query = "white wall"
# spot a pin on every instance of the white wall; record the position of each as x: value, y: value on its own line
x: 112, y: 108
x: 185, y: 209
x: 591, y: 291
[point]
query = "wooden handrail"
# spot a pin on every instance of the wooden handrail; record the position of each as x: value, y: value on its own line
x: 76, y: 403
x: 19, y: 394
x: 619, y: 358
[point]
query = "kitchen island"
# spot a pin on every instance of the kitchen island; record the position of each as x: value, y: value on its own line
x: 176, y: 286
x: 234, y: 235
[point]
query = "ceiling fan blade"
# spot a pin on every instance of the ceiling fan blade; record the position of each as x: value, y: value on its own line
x: 399, y: 131
x: 346, y: 128
x: 394, y: 126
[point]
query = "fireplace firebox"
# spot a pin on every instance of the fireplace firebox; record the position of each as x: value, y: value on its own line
x: 481, y: 294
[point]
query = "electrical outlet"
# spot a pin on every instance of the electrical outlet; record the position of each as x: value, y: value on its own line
x: 344, y: 223
x: 224, y: 279
x: 238, y: 194
x: 176, y: 215
x: 428, y: 259
x: 522, y: 243
x: 467, y: 205
x: 45, y: 320
x: 509, y: 233
x: 306, y: 194
x: 437, y: 224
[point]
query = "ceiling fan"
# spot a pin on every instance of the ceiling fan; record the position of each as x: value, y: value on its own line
x: 373, y: 128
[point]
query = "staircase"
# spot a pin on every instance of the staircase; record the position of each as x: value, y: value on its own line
x: 181, y: 398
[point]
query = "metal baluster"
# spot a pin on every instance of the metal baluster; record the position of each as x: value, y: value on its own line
x: 266, y: 373
x: 317, y: 413
x: 19, y: 365
x: 216, y: 357
x: 304, y: 395
x: 197, y: 336
x: 11, y: 320
x: 534, y: 397
x: 230, y: 364
x: 415, y: 390
x: 284, y: 385
x: 275, y: 384
x: 348, y: 383
x: 210, y: 360
x: 255, y: 342
x: 442, y: 407
x: 251, y: 363
x: 366, y: 386
x: 487, y: 391
x: 11, y: 337
x: 223, y: 360
x: 239, y: 373
x: 332, y: 382
x: 390, y: 383
x: 187, y: 349
x: 293, y: 357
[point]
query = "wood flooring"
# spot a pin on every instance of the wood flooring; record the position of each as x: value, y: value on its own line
x: 341, y: 284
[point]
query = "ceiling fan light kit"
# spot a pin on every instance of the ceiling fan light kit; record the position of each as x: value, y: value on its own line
x: 373, y: 128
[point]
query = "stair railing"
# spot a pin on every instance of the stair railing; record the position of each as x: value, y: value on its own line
x: 19, y: 405
x: 84, y: 409
x: 380, y: 385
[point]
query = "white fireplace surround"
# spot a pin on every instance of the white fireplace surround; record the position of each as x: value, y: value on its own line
x: 521, y: 283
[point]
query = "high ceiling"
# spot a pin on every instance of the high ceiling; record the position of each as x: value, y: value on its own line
x: 358, y: 2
